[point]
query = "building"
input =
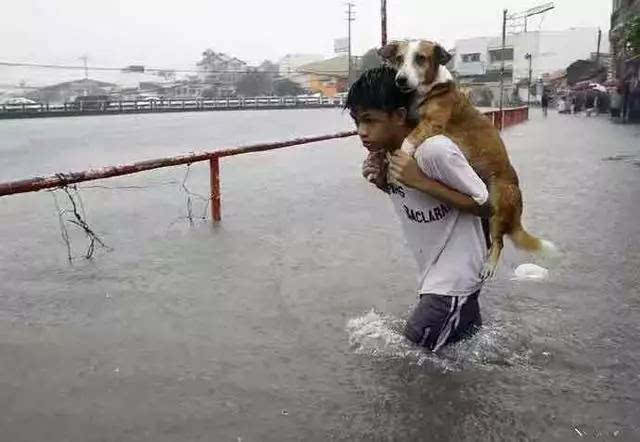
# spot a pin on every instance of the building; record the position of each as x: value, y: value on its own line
x: 585, y: 70
x: 622, y: 11
x: 478, y: 60
x: 330, y: 77
x: 550, y: 50
x: 220, y: 72
x: 290, y: 63
x: 69, y: 90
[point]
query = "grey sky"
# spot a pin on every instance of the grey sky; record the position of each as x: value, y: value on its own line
x: 169, y: 33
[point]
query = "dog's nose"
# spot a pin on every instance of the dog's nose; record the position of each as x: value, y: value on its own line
x: 401, y: 81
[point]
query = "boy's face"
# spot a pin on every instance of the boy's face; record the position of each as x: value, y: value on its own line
x: 380, y: 130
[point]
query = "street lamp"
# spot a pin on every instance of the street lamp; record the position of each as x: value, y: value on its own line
x: 528, y: 57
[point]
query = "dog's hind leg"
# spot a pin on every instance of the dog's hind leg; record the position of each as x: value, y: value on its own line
x: 506, y: 204
x: 497, y: 243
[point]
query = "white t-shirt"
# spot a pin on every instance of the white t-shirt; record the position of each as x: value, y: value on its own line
x: 449, y: 245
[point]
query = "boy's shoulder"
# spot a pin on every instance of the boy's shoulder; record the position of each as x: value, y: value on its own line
x: 437, y: 148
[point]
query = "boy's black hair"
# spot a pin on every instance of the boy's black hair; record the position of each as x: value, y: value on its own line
x: 376, y: 89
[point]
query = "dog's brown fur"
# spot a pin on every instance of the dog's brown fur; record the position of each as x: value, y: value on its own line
x: 444, y: 110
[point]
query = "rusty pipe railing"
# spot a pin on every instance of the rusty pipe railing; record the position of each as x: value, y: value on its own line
x: 63, y: 179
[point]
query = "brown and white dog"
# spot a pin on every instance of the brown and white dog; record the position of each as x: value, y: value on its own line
x: 442, y: 109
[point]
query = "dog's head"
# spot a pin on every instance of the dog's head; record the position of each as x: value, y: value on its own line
x: 417, y: 62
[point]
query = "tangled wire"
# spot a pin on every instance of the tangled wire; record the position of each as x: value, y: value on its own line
x: 78, y: 215
x: 78, y: 220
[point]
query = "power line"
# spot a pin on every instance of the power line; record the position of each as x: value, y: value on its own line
x: 156, y: 70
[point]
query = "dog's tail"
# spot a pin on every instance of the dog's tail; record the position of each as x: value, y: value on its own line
x: 525, y: 241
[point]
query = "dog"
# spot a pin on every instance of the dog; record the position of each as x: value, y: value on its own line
x: 441, y: 108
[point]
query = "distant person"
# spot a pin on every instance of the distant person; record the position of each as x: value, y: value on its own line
x: 572, y: 104
x: 563, y: 107
x: 438, y: 198
x: 627, y: 96
x: 616, y: 103
x: 545, y: 103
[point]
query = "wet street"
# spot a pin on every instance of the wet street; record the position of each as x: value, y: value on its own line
x: 278, y: 323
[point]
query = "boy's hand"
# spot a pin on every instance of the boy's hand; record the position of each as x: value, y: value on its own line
x: 404, y: 168
x: 373, y: 169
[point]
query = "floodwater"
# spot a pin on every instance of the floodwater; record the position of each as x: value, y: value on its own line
x: 278, y: 324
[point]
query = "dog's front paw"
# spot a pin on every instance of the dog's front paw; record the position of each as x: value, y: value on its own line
x: 408, y: 147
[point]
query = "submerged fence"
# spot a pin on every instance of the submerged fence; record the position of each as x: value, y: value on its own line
x: 507, y: 118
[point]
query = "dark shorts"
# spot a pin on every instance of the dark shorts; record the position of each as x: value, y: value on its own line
x: 438, y: 320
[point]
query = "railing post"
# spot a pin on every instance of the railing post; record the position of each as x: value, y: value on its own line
x: 214, y: 170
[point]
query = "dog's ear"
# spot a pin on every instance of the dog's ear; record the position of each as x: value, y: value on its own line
x: 388, y: 51
x: 442, y: 56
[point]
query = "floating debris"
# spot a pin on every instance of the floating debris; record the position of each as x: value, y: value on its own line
x: 618, y: 157
x: 530, y: 272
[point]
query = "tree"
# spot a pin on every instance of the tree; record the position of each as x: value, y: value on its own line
x: 208, y: 56
x: 210, y: 92
x: 253, y: 84
x: 371, y: 60
x: 167, y: 74
x: 260, y: 81
x: 632, y: 35
x: 285, y: 87
x: 267, y: 66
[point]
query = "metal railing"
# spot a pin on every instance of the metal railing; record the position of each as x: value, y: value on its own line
x: 65, y: 179
x: 166, y: 105
x: 508, y: 117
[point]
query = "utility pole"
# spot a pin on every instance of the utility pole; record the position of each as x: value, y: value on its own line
x: 84, y: 58
x: 383, y: 20
x: 524, y: 16
x: 504, y: 38
x: 541, y: 9
x: 350, y: 18
x: 598, y: 51
x: 528, y: 57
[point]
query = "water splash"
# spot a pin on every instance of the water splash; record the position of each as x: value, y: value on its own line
x: 380, y: 336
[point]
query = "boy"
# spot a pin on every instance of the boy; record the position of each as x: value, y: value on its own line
x: 439, y: 199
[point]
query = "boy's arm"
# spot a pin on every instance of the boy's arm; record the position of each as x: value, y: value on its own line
x: 406, y: 170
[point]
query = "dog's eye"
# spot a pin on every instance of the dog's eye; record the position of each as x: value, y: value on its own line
x: 420, y: 59
x: 399, y: 59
